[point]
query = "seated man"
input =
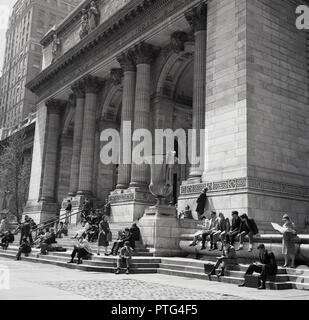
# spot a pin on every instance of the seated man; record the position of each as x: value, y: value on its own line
x: 136, y: 234
x: 7, y: 238
x: 235, y: 228
x: 228, y: 259
x: 47, y: 241
x: 213, y: 227
x: 125, y: 256
x: 220, y: 234
x: 82, y: 249
x: 125, y: 236
x: 248, y: 228
x: 62, y: 230
x: 205, y: 226
x: 24, y: 248
x: 266, y: 267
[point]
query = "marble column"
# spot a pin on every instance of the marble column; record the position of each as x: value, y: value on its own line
x: 92, y: 88
x: 79, y: 91
x: 145, y: 54
x: 127, y: 63
x: 54, y: 107
x: 197, y: 18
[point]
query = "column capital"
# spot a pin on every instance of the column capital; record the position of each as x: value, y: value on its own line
x: 54, y: 106
x: 178, y: 40
x: 78, y: 89
x: 116, y: 76
x: 145, y: 53
x: 127, y: 61
x: 93, y: 84
x: 197, y: 17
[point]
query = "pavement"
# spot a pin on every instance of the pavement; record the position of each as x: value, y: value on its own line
x: 29, y: 281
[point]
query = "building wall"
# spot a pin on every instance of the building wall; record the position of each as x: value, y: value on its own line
x: 23, y: 56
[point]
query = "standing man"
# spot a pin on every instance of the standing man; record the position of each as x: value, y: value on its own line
x: 267, y: 266
x: 201, y: 203
x: 68, y: 211
x: 25, y: 229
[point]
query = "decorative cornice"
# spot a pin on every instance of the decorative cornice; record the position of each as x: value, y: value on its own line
x: 197, y: 17
x: 149, y: 12
x: 116, y: 76
x: 248, y: 184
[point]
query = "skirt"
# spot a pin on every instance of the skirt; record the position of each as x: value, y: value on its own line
x: 288, y: 244
x: 102, y: 241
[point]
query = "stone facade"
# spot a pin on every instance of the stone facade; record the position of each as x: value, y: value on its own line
x: 235, y: 68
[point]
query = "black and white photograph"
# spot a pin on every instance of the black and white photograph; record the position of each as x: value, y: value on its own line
x: 154, y: 150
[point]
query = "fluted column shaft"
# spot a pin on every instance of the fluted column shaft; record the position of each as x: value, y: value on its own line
x: 92, y: 87
x: 52, y: 141
x: 145, y: 54
x: 198, y: 20
x: 79, y: 91
x: 127, y: 115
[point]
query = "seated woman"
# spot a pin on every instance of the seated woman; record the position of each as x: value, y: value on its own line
x: 228, y: 259
x: 125, y: 236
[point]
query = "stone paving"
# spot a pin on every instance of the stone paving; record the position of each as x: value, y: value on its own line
x: 34, y: 281
x: 131, y: 289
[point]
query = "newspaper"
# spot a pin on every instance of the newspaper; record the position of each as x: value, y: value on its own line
x: 278, y: 228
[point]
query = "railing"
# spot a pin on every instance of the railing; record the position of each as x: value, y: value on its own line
x: 52, y: 222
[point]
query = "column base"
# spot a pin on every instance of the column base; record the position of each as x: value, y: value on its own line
x: 41, y: 211
x: 128, y: 206
x: 161, y: 231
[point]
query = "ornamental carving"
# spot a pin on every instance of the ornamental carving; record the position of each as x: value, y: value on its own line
x: 197, y: 17
x: 145, y: 53
x: 78, y: 89
x: 84, y: 24
x: 94, y: 15
x: 127, y: 61
x: 116, y: 76
x: 56, y: 47
x: 178, y: 40
x: 93, y: 84
x: 54, y: 106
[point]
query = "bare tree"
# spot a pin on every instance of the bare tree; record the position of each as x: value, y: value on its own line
x: 15, y: 173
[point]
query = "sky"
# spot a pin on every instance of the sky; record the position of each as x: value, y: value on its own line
x: 5, y: 10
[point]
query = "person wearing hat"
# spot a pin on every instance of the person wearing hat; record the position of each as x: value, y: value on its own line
x: 267, y: 266
x: 288, y: 241
x: 201, y: 203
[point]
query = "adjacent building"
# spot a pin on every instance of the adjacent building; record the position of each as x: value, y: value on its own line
x: 29, y: 22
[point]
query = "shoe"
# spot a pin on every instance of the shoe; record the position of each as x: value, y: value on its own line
x: 71, y: 261
x: 118, y: 271
x: 128, y: 271
x: 262, y: 287
x: 241, y: 285
x: 79, y: 262
x: 98, y: 254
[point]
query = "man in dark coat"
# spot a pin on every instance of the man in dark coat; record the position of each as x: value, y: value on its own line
x: 25, y: 229
x: 235, y: 228
x: 248, y: 228
x: 201, y: 203
x: 266, y: 267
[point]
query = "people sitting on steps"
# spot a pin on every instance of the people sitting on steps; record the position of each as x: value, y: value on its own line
x: 119, y: 243
x: 248, y: 228
x: 228, y: 259
x: 62, y: 230
x: 267, y: 266
x: 82, y: 249
x: 235, y: 228
x: 6, y: 239
x: 25, y: 248
x: 221, y: 232
x: 47, y: 242
x: 125, y: 257
x: 25, y: 230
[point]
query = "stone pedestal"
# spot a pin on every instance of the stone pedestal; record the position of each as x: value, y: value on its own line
x: 161, y: 231
x: 129, y: 205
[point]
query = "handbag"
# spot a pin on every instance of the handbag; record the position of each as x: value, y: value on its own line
x: 109, y: 237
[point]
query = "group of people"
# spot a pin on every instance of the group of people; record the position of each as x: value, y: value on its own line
x: 219, y: 228
x: 267, y: 264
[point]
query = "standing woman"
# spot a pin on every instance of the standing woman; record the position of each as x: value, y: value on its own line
x: 288, y: 241
x: 104, y: 232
